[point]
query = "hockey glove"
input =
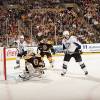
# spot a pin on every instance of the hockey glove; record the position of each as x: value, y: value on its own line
x: 80, y: 51
x: 53, y: 51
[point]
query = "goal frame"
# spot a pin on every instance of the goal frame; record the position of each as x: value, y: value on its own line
x: 4, y: 63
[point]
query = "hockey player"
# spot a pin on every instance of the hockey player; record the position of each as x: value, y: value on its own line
x: 45, y: 47
x: 72, y: 48
x: 21, y: 47
x: 24, y: 44
x: 34, y: 64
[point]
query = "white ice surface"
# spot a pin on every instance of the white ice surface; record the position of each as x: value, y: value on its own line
x: 74, y: 86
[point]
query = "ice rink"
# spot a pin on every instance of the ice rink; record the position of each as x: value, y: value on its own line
x: 52, y: 86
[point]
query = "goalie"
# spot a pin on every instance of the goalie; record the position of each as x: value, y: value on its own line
x: 34, y: 66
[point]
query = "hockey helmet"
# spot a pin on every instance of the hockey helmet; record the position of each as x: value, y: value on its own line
x: 21, y: 37
x: 66, y: 33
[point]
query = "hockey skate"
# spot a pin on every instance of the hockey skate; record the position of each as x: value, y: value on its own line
x: 52, y: 66
x: 24, y: 76
x: 63, y: 73
x: 64, y: 70
x: 86, y: 72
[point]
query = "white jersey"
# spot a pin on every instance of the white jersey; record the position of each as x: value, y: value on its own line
x: 21, y: 46
x: 70, y: 44
x: 24, y: 46
x: 29, y: 46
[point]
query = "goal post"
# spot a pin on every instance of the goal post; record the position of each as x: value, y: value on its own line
x: 3, y: 63
x: 8, y: 62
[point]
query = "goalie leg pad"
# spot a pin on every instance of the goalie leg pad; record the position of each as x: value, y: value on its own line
x: 30, y: 68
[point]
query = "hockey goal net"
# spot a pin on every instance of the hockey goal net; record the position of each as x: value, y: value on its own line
x: 7, y: 63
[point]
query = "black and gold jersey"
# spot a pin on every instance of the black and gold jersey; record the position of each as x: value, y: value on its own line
x: 36, y: 61
x: 44, y: 47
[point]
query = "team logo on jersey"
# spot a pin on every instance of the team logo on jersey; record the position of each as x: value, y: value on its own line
x: 36, y: 62
x: 44, y: 47
x: 67, y: 45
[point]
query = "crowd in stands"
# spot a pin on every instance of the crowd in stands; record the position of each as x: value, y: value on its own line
x: 91, y: 12
x: 49, y: 19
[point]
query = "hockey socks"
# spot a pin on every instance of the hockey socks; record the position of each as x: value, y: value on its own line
x: 83, y: 67
x: 64, y: 70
